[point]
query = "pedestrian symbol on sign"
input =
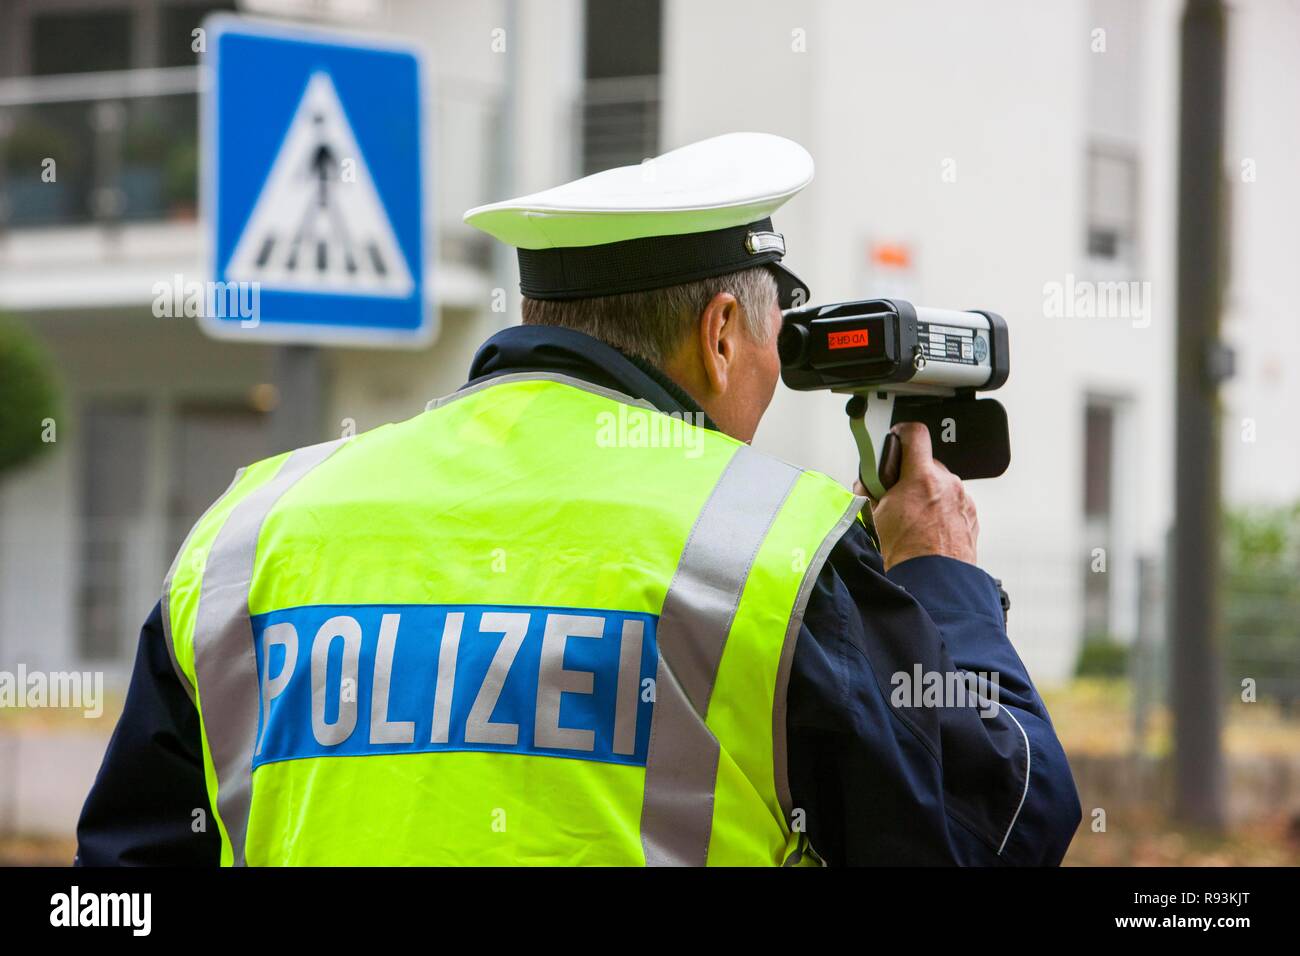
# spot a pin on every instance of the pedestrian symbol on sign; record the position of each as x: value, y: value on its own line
x: 319, y: 224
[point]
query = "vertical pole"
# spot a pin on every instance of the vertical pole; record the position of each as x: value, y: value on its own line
x: 299, y: 417
x: 108, y: 120
x: 1194, y: 621
x: 1140, y: 656
x: 7, y: 116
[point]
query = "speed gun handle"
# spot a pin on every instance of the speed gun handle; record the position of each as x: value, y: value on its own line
x: 891, y: 461
x: 879, y: 452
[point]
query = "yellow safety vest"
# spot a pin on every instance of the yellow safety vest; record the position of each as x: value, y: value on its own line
x: 541, y: 623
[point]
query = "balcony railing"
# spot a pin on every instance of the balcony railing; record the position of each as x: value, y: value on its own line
x: 111, y: 147
x: 99, y: 147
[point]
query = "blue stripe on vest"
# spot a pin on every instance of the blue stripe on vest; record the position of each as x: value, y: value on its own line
x: 358, y: 680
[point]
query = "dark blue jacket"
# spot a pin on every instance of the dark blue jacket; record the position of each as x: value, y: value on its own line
x: 877, y: 783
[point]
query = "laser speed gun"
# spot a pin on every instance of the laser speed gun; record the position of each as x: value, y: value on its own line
x: 905, y: 363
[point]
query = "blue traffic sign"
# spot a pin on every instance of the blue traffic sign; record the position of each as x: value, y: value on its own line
x: 313, y: 186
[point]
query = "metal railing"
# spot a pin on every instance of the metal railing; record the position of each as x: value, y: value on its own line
x: 99, y: 147
x: 109, y: 147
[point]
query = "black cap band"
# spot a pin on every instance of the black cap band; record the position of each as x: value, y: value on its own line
x: 655, y: 262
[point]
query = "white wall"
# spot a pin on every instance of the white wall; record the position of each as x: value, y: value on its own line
x: 38, y: 563
x: 1262, y: 319
x: 889, y: 96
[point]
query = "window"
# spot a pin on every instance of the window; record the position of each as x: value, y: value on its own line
x: 176, y: 31
x: 149, y: 468
x: 620, y: 103
x: 1098, y: 453
x: 81, y: 42
x: 116, y: 35
x: 1117, y: 76
x: 1106, y: 547
x: 114, y: 447
x: 119, y: 155
x: 1112, y: 205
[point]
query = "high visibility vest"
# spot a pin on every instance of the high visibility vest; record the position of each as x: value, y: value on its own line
x: 540, y: 623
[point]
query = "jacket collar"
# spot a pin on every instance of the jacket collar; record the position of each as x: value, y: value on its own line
x: 540, y: 348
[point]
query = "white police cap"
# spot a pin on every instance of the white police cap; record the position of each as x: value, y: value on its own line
x: 698, y: 211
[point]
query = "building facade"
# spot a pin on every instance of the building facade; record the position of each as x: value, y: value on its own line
x: 1012, y: 155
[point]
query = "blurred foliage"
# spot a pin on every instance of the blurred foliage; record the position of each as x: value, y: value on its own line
x: 1100, y: 655
x: 1132, y: 779
x: 1261, y: 600
x: 182, y: 174
x: 145, y: 143
x: 1263, y: 538
x: 37, y: 851
x: 31, y: 142
x: 29, y: 395
x: 1092, y: 714
x: 1150, y: 838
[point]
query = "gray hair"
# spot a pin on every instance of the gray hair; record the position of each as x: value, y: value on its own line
x: 652, y: 325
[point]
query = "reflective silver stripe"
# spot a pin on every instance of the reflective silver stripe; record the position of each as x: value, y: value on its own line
x: 166, y: 607
x: 224, y: 660
x: 682, y: 764
x: 795, y: 858
x: 780, y: 761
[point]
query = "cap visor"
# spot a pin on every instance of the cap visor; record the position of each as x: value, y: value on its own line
x: 792, y: 291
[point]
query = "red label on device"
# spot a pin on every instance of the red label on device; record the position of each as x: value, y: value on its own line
x: 852, y: 339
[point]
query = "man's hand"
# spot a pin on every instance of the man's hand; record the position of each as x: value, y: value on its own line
x: 927, y: 511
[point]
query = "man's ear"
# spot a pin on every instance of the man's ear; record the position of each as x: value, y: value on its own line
x: 719, y: 329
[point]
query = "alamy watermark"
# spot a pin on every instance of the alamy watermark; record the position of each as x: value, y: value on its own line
x: 1085, y: 299
x: 71, y: 690
x: 978, y: 690
x: 133, y: 911
x: 632, y: 427
x: 176, y: 298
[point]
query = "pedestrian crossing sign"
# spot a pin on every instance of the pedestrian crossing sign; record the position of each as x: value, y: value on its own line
x: 313, y: 176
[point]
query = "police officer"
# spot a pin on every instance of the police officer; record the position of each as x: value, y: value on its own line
x: 567, y: 615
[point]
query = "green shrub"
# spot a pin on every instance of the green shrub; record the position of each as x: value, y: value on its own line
x: 182, y: 173
x: 1102, y: 656
x: 31, y: 142
x: 1261, y: 600
x: 29, y: 397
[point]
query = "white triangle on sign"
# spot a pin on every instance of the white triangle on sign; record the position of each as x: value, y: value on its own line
x: 319, y: 224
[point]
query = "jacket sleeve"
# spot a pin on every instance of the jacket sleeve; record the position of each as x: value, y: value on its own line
x: 889, y: 774
x: 143, y: 807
